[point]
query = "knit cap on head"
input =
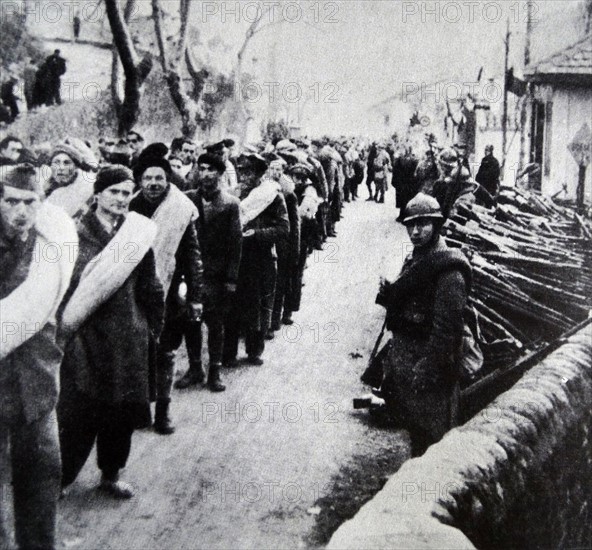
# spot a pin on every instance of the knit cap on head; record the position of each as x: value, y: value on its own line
x: 21, y: 176
x: 213, y: 160
x: 112, y: 175
x: 153, y: 156
x: 65, y: 149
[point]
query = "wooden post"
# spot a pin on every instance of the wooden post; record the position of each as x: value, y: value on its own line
x: 505, y: 111
x: 581, y: 187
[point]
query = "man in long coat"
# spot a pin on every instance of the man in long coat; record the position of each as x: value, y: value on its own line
x: 32, y: 286
x: 114, y: 305
x: 489, y: 172
x: 265, y: 222
x: 220, y: 236
x: 178, y: 260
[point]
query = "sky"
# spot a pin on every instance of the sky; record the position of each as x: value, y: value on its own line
x: 330, y: 61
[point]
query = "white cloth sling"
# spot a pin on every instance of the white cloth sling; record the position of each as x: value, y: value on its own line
x: 107, y: 272
x: 258, y: 200
x: 30, y: 306
x: 172, y: 217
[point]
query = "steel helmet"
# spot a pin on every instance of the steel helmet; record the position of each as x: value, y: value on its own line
x: 422, y: 206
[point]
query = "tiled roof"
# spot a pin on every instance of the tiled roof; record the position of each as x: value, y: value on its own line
x: 574, y: 60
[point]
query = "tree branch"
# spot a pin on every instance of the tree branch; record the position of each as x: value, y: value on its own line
x: 157, y: 17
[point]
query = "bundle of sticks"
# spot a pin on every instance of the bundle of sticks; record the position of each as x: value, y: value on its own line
x: 532, y: 271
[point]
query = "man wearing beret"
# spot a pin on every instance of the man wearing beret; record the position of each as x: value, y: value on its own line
x: 32, y: 285
x: 178, y: 260
x: 114, y: 304
x: 265, y: 222
x: 70, y: 185
x: 220, y: 237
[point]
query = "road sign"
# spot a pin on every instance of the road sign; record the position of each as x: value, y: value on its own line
x: 581, y: 145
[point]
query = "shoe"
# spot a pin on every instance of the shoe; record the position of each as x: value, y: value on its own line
x: 331, y: 234
x: 318, y: 246
x: 162, y: 421
x: 254, y: 360
x: 270, y: 335
x: 116, y: 489
x: 369, y: 199
x: 195, y: 376
x: 230, y: 363
x: 287, y: 320
x: 214, y: 381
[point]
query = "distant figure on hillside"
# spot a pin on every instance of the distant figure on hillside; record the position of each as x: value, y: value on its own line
x: 9, y: 99
x: 29, y: 76
x: 48, y: 80
x: 76, y: 24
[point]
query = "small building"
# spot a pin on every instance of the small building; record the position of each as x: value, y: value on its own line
x: 561, y: 115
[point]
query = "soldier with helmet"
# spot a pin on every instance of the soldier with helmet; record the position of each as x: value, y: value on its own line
x: 418, y: 371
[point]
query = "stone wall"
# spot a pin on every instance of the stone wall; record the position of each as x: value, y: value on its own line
x: 517, y: 475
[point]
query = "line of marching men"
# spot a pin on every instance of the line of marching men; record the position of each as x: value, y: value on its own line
x: 99, y: 307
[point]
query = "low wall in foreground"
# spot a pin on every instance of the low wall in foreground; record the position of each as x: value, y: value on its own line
x: 517, y: 475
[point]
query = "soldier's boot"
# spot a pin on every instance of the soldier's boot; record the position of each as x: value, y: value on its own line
x: 214, y: 380
x: 194, y: 376
x: 162, y: 420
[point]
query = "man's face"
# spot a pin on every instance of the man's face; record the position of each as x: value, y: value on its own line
x: 247, y: 176
x: 63, y: 169
x: 187, y: 153
x: 115, y: 199
x: 18, y: 210
x: 134, y: 142
x: 154, y: 183
x: 12, y: 150
x: 209, y: 179
x: 275, y: 171
x: 177, y: 166
x: 488, y: 151
x: 420, y: 231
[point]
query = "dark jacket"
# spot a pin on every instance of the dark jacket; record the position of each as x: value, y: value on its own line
x: 256, y: 283
x: 425, y: 312
x: 220, y: 236
x: 188, y: 257
x: 489, y: 174
x: 29, y: 375
x: 107, y: 358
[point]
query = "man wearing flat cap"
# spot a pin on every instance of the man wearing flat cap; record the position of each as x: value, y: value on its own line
x: 265, y: 222
x: 178, y: 260
x: 222, y: 149
x: 115, y: 303
x: 32, y: 285
x: 219, y: 232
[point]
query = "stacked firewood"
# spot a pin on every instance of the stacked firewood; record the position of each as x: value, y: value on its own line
x: 532, y: 271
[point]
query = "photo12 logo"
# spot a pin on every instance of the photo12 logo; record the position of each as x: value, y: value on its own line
x: 269, y: 12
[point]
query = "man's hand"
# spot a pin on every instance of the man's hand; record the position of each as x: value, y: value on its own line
x: 248, y: 233
x: 195, y: 311
x: 230, y: 288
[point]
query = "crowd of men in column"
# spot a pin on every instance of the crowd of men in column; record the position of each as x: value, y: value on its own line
x: 112, y: 255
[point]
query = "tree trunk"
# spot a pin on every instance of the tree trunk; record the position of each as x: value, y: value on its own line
x: 135, y: 70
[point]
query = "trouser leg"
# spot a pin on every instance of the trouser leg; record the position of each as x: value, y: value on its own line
x: 170, y: 340
x: 215, y: 321
x: 193, y: 342
x: 280, y: 292
x: 77, y: 432
x: 255, y: 343
x: 114, y: 442
x: 231, y: 337
x: 36, y: 474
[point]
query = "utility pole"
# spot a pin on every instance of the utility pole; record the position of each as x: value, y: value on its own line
x: 505, y: 110
x: 526, y: 97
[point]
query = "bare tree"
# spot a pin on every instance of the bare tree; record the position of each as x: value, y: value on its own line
x: 135, y: 70
x: 172, y: 57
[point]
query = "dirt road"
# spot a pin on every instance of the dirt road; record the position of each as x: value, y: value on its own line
x: 280, y: 457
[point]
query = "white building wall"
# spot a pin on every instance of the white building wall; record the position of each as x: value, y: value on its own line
x: 572, y: 108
